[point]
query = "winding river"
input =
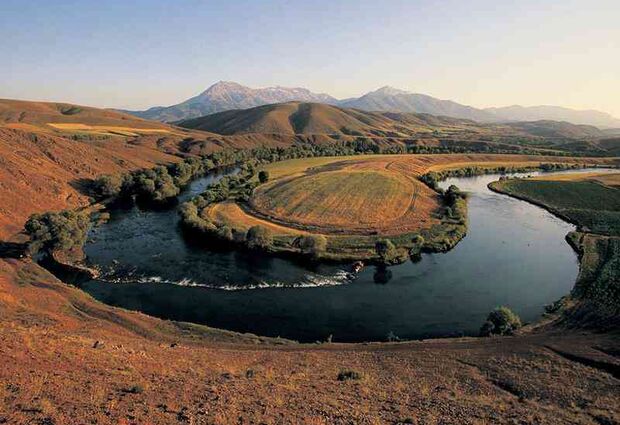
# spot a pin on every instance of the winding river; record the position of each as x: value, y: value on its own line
x: 514, y: 254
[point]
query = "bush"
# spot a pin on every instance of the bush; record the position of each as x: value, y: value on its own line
x: 313, y: 245
x: 263, y: 176
x: 155, y: 184
x: 259, y: 237
x: 224, y: 232
x: 349, y: 375
x: 386, y: 250
x: 501, y: 321
x: 108, y: 185
x: 54, y: 231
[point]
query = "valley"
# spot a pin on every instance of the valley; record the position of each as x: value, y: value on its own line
x: 94, y: 334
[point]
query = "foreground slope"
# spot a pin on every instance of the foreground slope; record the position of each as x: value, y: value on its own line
x: 70, y: 359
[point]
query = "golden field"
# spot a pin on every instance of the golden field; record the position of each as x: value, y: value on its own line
x: 358, y: 195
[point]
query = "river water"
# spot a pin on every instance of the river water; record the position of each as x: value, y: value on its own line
x: 514, y: 254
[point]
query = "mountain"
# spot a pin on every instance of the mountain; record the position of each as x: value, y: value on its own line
x: 225, y: 95
x: 555, y: 113
x: 394, y: 100
x: 558, y: 129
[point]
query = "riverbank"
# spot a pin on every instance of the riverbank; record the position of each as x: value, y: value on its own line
x: 595, y: 208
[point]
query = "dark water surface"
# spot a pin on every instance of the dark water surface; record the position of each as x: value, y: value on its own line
x: 514, y: 254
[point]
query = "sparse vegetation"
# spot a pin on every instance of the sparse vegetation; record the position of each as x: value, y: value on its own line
x: 349, y: 375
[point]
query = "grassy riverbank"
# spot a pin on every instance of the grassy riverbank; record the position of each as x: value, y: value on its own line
x: 591, y: 202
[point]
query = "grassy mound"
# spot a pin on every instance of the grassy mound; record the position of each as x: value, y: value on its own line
x: 337, y: 198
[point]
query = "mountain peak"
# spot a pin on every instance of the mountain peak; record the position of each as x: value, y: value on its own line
x: 389, y: 91
x: 222, y: 86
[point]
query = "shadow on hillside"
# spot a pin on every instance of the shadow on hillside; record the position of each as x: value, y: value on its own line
x: 12, y: 249
x: 83, y: 185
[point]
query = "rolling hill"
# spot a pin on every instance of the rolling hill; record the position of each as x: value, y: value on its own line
x: 555, y: 113
x: 54, y: 117
x: 298, y: 118
x: 316, y: 118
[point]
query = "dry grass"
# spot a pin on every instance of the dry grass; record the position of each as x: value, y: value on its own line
x: 358, y: 194
x: 337, y: 198
x: 106, y: 130
x: 231, y: 214
x: 53, y: 373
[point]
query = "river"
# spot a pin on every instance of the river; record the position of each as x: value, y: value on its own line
x: 514, y: 254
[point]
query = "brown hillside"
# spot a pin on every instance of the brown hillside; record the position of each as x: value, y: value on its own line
x: 41, y: 172
x: 315, y: 118
x: 49, y: 116
x: 69, y: 359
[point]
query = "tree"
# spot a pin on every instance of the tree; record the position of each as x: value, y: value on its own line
x: 225, y: 233
x: 54, y: 231
x: 263, y: 176
x: 452, y: 194
x: 259, y: 237
x: 501, y: 321
x: 386, y: 250
x: 312, y: 244
x: 108, y: 185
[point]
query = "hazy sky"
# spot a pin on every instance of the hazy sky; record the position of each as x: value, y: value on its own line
x: 136, y: 54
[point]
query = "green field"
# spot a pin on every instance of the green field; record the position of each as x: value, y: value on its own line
x: 591, y: 205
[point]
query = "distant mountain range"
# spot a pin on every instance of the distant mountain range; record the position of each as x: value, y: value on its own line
x: 555, y: 113
x: 224, y: 96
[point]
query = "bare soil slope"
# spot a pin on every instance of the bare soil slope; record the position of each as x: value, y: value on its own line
x: 69, y: 359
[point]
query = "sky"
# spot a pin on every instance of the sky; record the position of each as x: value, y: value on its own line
x: 138, y: 54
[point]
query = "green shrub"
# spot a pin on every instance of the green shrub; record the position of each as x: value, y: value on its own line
x: 108, y: 185
x: 349, y: 375
x: 501, y: 321
x: 263, y: 176
x: 54, y: 231
x: 313, y: 245
x: 224, y: 232
x: 386, y: 250
x: 259, y: 237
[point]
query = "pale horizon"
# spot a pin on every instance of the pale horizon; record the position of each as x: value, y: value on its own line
x: 149, y: 54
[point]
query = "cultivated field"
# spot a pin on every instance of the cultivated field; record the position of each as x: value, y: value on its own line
x: 581, y: 199
x: 107, y: 130
x: 344, y: 199
x: 355, y: 200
